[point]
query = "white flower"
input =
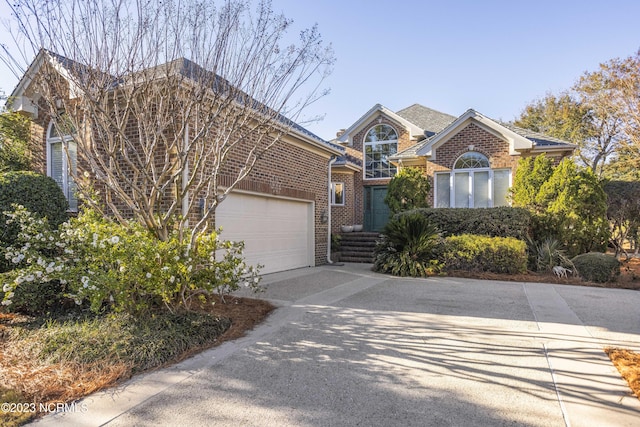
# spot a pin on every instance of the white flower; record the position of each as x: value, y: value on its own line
x: 148, y: 275
x: 6, y: 302
x: 29, y: 278
x: 15, y: 260
x: 172, y: 279
x: 84, y: 280
x: 6, y: 287
x: 114, y: 240
x: 176, y: 258
x: 63, y: 281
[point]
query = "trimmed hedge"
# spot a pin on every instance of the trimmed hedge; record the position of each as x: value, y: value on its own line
x: 503, y: 221
x: 476, y: 253
x: 597, y: 267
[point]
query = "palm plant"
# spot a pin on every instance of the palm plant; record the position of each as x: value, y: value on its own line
x: 409, y: 247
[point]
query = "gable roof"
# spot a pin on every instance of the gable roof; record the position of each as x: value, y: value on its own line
x: 415, y: 131
x: 430, y: 120
x: 519, y: 139
x: 71, y: 70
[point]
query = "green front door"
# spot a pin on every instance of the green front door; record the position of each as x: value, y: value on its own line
x: 376, y: 211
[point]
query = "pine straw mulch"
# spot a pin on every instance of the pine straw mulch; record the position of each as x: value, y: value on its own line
x: 628, y: 364
x: 24, y: 378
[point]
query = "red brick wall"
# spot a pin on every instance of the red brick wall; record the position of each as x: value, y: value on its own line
x: 286, y: 170
x: 345, y: 215
x: 496, y: 150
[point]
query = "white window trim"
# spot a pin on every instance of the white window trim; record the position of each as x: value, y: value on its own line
x: 372, y: 144
x: 452, y: 190
x: 333, y: 194
x: 65, y: 159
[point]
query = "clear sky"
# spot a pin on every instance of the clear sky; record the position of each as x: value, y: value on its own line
x: 495, y: 56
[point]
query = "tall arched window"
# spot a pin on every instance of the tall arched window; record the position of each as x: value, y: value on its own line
x: 380, y: 142
x: 472, y: 184
x: 62, y: 155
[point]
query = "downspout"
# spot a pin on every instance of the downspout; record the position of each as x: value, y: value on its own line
x: 332, y: 160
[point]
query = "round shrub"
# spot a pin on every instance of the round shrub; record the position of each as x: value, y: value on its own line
x: 597, y: 267
x: 39, y: 194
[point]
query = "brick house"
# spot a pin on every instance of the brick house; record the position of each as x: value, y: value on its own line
x: 470, y: 160
x: 281, y: 210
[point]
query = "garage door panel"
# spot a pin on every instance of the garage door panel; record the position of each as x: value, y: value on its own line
x: 277, y: 232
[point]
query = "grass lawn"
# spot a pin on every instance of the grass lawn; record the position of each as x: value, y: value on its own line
x: 62, y: 359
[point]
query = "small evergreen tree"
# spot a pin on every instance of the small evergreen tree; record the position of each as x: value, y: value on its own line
x: 532, y: 172
x: 568, y: 201
x: 15, y: 136
x: 409, y: 189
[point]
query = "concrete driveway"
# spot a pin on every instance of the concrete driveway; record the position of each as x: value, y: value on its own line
x: 348, y: 347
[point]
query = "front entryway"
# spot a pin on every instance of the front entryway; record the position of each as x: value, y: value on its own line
x: 376, y: 211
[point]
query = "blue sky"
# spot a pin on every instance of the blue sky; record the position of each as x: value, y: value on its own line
x: 494, y: 56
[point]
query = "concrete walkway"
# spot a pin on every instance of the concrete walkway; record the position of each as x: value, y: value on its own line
x: 348, y: 347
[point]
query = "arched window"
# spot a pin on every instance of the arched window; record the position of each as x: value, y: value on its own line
x: 472, y: 184
x: 62, y: 155
x: 380, y: 142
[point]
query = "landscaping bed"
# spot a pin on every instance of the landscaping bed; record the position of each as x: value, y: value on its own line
x: 44, y: 362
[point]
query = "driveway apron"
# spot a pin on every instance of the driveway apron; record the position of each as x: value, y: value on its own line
x: 349, y: 347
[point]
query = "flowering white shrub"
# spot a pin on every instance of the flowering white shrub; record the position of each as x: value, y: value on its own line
x: 122, y: 268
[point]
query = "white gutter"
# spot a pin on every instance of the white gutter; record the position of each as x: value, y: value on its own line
x: 331, y: 162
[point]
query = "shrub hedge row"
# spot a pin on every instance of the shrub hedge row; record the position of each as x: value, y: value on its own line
x: 476, y: 253
x: 495, y: 222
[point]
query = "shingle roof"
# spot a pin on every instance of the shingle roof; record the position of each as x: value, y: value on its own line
x: 430, y: 120
x: 190, y: 70
x: 537, y: 138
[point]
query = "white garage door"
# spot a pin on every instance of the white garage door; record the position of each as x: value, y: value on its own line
x: 278, y: 233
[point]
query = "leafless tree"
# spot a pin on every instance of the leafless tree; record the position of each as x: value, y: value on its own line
x: 171, y: 102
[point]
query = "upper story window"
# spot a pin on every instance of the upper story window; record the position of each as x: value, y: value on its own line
x: 62, y: 155
x: 380, y: 142
x: 472, y: 184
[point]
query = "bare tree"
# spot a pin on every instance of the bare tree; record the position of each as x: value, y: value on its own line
x: 171, y: 102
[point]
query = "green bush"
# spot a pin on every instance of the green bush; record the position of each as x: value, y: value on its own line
x: 476, y: 253
x: 409, y: 189
x: 110, y: 266
x: 597, y: 267
x: 39, y: 194
x: 409, y: 247
x: 502, y: 221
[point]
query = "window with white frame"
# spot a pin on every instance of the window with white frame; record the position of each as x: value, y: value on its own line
x: 62, y: 155
x: 337, y: 193
x: 472, y: 184
x: 380, y: 142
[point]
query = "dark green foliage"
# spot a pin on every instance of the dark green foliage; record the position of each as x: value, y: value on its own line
x: 531, y: 173
x: 40, y: 299
x: 144, y: 342
x: 409, y: 189
x: 475, y: 253
x: 39, y: 194
x: 623, y: 212
x: 597, y: 267
x: 503, y: 221
x: 15, y: 136
x: 409, y: 247
x: 575, y: 206
x: 568, y: 205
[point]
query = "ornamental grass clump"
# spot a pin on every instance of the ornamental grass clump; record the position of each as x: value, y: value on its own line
x: 110, y: 267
